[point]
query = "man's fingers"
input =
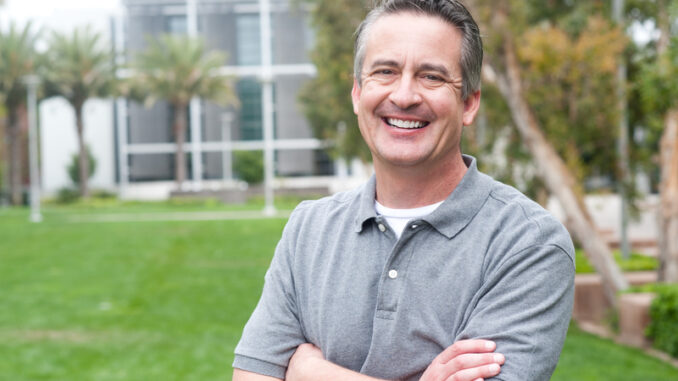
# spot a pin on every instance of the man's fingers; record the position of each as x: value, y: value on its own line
x: 481, y: 372
x: 466, y: 360
x: 466, y: 346
x: 473, y: 360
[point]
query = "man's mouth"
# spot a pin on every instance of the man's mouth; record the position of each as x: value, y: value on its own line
x: 407, y: 124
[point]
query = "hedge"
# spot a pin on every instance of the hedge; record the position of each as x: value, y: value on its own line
x: 663, y: 328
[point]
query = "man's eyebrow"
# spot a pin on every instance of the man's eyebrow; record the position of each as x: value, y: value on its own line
x: 386, y: 62
x: 433, y: 67
x: 423, y: 67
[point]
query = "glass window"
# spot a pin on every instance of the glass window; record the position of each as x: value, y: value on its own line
x: 155, y: 167
x: 249, y: 93
x: 249, y: 51
x: 176, y: 25
x: 291, y: 38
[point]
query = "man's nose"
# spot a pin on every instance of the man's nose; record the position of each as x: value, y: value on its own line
x: 405, y: 93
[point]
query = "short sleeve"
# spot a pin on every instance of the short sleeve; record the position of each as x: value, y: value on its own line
x: 525, y: 307
x: 273, y: 332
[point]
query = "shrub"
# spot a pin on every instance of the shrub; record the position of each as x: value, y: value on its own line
x: 249, y: 166
x: 74, y: 166
x: 67, y: 195
x: 663, y: 328
x: 636, y: 262
x: 103, y: 194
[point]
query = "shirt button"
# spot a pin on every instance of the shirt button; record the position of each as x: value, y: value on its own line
x: 382, y: 228
x: 393, y: 274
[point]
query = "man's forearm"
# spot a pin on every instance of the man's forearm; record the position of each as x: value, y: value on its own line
x: 465, y: 360
x: 316, y: 369
x: 308, y: 364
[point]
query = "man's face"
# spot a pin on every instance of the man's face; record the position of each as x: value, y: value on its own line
x: 409, y: 105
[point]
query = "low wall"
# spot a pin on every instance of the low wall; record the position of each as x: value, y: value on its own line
x: 590, y: 303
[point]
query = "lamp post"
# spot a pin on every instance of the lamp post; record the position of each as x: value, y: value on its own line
x: 622, y: 141
x: 32, y: 82
x: 226, y: 157
x: 267, y: 105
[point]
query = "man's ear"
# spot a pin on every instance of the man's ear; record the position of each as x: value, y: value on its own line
x: 471, y: 106
x: 355, y: 95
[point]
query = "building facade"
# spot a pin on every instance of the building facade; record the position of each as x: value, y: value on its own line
x: 267, y: 43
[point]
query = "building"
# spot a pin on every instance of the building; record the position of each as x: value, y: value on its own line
x: 267, y: 43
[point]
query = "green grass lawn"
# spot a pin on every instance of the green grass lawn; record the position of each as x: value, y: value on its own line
x: 587, y: 357
x: 167, y: 300
x: 112, y: 205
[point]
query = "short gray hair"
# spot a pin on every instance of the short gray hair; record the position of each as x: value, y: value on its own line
x: 451, y: 11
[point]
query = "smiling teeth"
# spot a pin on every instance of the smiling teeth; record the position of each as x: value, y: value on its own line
x: 405, y: 123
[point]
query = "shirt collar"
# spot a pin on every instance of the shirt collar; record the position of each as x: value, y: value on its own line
x: 463, y: 203
x: 366, y: 209
x: 455, y: 212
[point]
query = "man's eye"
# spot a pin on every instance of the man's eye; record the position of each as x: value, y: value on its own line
x: 433, y: 78
x: 384, y: 72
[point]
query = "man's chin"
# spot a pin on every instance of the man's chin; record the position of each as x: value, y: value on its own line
x: 403, y: 160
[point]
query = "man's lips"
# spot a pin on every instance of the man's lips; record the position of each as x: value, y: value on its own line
x: 406, y: 124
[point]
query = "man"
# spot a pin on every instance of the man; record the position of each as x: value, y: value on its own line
x: 428, y: 268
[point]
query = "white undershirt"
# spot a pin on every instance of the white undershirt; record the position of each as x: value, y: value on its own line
x: 397, y: 218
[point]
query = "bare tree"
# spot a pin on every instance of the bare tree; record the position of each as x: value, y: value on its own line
x: 668, y: 159
x: 503, y: 69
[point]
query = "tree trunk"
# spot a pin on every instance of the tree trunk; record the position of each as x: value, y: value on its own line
x: 667, y: 236
x: 83, y: 154
x: 16, y: 153
x: 180, y: 137
x: 4, y: 158
x: 552, y: 170
x: 668, y: 210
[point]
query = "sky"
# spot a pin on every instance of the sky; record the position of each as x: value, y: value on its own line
x: 61, y: 15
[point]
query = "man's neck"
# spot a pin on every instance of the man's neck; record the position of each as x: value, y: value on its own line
x: 413, y: 187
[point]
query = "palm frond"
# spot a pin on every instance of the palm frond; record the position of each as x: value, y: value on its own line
x: 18, y: 58
x: 178, y: 68
x: 79, y: 67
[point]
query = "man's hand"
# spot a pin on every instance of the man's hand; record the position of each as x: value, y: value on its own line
x: 465, y: 360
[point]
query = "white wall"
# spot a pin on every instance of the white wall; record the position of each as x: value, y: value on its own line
x: 606, y: 213
x: 58, y: 142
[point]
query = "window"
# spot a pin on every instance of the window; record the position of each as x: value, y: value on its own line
x: 249, y: 92
x: 249, y: 48
x: 176, y: 24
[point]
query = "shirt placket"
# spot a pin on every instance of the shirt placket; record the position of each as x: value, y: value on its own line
x: 392, y: 281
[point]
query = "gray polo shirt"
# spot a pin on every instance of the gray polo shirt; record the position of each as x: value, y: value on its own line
x: 487, y: 263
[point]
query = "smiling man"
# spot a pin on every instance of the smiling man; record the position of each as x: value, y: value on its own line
x: 431, y: 270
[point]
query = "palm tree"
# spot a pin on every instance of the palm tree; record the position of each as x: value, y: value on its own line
x: 17, y: 59
x: 177, y: 69
x: 79, y: 68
